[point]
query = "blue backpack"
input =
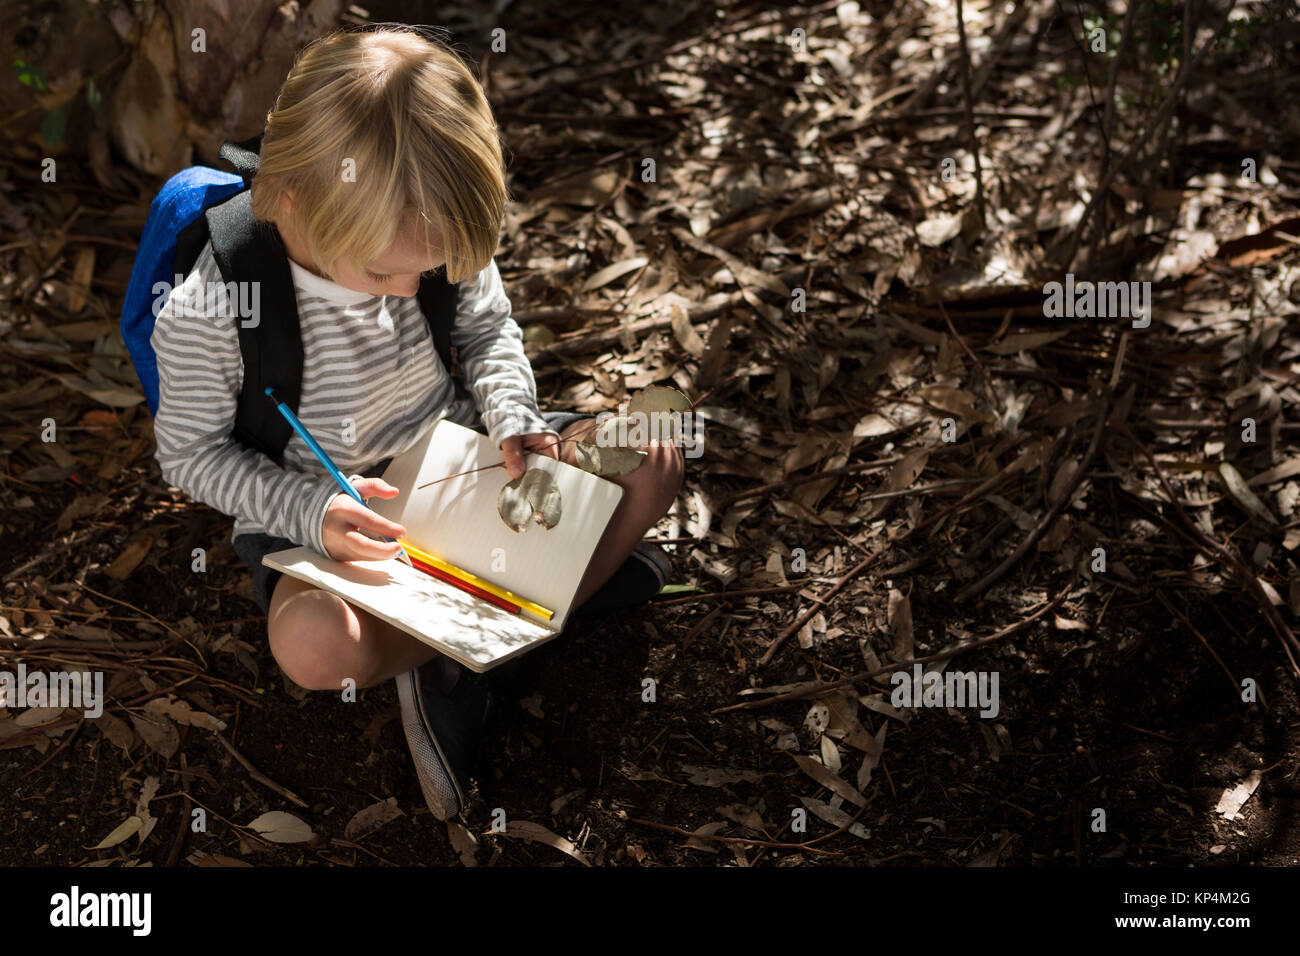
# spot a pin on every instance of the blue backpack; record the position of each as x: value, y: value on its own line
x: 198, y: 204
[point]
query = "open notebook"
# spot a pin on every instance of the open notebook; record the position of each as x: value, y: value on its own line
x: 457, y: 521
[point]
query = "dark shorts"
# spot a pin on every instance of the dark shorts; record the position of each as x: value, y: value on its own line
x: 251, y: 548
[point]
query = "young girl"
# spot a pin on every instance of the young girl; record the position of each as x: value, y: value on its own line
x: 380, y: 162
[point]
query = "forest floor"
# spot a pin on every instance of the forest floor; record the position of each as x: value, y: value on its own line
x: 917, y: 456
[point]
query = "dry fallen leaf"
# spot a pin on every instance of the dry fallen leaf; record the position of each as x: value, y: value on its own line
x: 116, y: 730
x: 464, y: 842
x: 717, y: 777
x: 606, y: 461
x: 836, y: 818
x: 1234, y: 798
x: 158, y: 732
x: 612, y: 272
x: 709, y: 829
x: 1239, y: 492
x: 280, y: 827
x: 827, y: 778
x: 122, y: 832
x: 657, y: 400
x: 369, y: 819
x: 183, y: 713
x: 527, y: 830
x: 130, y: 557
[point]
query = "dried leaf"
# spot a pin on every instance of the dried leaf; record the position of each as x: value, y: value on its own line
x: 123, y: 832
x: 657, y: 399
x: 38, y: 716
x: 113, y: 395
x: 836, y: 818
x: 709, y: 829
x: 903, y: 475
x: 536, y: 832
x: 871, y: 760
x: 612, y: 272
x: 182, y: 713
x: 280, y: 827
x: 1234, y: 798
x: 808, y: 450
x: 82, y: 274
x: 830, y: 754
x: 369, y: 819
x: 533, y: 496
x: 607, y: 461
x: 745, y: 816
x: 130, y: 557
x: 158, y: 732
x: 827, y: 778
x: 937, y: 231
x: 200, y: 858
x: 1024, y: 342
x: 684, y: 332
x: 464, y: 842
x: 960, y: 403
x: 717, y: 777
x: 116, y: 730
x: 1246, y: 499
x: 872, y: 425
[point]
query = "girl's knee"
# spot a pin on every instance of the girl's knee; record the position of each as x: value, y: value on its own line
x: 314, y: 640
x: 655, y: 484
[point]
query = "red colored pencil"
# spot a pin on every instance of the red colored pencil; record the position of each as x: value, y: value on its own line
x: 465, y: 586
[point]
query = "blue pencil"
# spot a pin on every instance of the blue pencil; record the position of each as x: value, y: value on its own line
x: 319, y: 452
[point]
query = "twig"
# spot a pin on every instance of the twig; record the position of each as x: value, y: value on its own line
x: 984, y: 372
x: 699, y: 628
x: 1108, y: 119
x: 258, y: 775
x: 500, y: 464
x: 970, y: 115
x: 1001, y: 38
x: 1236, y: 687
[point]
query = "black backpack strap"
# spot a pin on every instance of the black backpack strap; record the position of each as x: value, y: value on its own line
x: 270, y: 341
x: 191, y: 240
x: 437, y: 298
x: 243, y: 156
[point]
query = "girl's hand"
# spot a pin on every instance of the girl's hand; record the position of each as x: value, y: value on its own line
x: 346, y: 518
x: 542, y: 443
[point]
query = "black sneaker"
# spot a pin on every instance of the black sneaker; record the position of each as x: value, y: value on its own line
x: 443, y: 728
x: 642, y: 576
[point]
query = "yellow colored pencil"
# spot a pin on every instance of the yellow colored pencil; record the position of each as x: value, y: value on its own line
x: 464, y: 575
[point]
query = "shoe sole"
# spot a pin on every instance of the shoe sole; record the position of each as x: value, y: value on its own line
x: 441, y: 791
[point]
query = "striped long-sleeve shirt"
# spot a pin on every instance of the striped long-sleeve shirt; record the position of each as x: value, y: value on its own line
x: 372, y: 384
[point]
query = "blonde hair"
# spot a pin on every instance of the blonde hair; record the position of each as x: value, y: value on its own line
x: 419, y: 135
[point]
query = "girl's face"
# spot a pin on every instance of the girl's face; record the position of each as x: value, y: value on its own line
x: 396, y: 272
